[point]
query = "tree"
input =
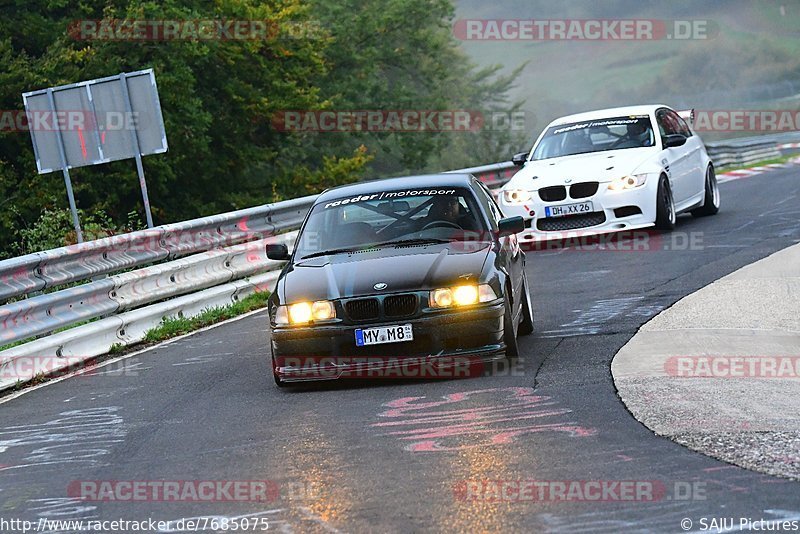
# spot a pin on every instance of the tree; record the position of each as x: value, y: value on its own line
x: 220, y: 96
x: 217, y: 98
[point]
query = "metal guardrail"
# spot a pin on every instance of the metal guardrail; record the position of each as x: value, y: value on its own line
x: 74, y: 263
x: 179, y: 269
x: 728, y: 155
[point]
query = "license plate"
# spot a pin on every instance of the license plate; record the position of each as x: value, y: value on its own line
x: 568, y: 209
x: 384, y: 334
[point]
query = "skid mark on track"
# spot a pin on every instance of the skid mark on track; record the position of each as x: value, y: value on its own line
x: 471, y: 419
x: 203, y: 358
x: 591, y: 321
x: 78, y: 437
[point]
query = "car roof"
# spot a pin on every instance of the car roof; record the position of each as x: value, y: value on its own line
x: 646, y: 109
x: 427, y: 181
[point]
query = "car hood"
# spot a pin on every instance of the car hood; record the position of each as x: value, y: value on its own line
x: 597, y: 166
x: 410, y: 268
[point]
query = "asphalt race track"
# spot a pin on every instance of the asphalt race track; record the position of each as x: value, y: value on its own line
x: 392, y: 456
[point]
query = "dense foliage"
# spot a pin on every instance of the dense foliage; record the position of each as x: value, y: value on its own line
x: 219, y: 97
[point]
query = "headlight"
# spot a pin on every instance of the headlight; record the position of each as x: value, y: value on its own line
x: 516, y: 196
x: 305, y: 312
x: 463, y: 295
x: 322, y: 310
x: 627, y: 182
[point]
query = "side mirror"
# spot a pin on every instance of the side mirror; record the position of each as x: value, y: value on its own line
x: 673, y: 140
x: 278, y: 252
x: 519, y: 159
x: 510, y: 225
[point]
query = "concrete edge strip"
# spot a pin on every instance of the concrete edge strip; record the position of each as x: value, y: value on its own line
x: 691, y: 409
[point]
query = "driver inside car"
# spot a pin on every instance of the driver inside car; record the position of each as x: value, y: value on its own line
x: 447, y: 211
x: 639, y: 135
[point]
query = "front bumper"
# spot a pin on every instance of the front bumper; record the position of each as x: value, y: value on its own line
x: 614, y: 211
x: 445, y: 343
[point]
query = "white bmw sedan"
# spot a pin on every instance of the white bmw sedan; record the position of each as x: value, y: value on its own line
x: 611, y: 170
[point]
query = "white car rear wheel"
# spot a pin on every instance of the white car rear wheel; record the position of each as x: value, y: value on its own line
x: 711, y: 200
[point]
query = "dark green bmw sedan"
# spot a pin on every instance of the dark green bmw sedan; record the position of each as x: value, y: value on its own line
x: 399, y: 277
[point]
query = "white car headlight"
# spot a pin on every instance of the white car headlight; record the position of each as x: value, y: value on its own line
x: 516, y: 196
x: 627, y: 182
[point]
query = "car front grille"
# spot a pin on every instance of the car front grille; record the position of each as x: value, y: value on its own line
x: 368, y: 309
x: 553, y: 193
x: 400, y: 305
x: 571, y: 222
x: 583, y: 189
x: 362, y: 309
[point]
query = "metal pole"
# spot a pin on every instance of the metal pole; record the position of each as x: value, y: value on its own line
x: 137, y: 151
x: 70, y: 196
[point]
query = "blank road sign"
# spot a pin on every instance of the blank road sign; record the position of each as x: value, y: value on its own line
x: 95, y: 122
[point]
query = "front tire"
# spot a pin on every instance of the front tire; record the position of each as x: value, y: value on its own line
x: 526, y: 324
x: 509, y: 332
x: 665, y: 207
x: 711, y: 201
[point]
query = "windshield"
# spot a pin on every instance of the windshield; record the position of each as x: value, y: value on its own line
x: 613, y: 133
x: 382, y: 217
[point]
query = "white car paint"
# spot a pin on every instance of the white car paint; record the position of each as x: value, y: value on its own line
x: 684, y: 166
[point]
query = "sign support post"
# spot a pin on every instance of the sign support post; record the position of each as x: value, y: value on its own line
x: 137, y: 152
x: 70, y: 195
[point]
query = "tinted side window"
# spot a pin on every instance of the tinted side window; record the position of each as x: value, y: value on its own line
x: 487, y: 202
x: 497, y: 213
x: 682, y: 126
x: 666, y: 124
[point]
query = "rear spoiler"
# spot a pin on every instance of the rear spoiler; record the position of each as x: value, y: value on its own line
x: 687, y: 115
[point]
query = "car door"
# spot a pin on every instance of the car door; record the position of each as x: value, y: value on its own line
x: 697, y: 171
x: 677, y: 160
x: 510, y: 253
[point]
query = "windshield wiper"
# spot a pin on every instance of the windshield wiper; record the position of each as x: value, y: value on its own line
x: 416, y: 241
x: 327, y: 253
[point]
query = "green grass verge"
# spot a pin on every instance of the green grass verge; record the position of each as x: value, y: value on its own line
x: 177, y: 326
